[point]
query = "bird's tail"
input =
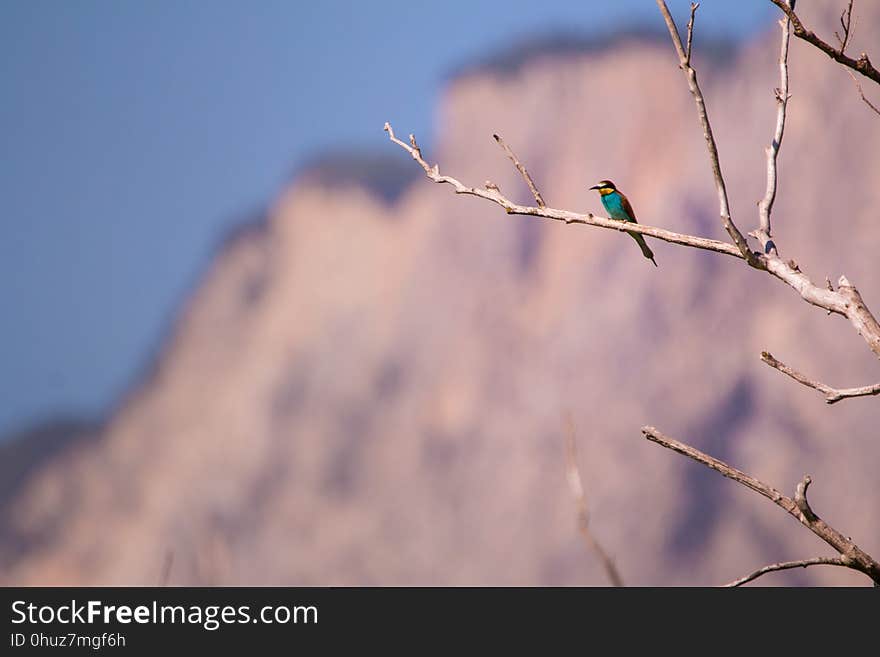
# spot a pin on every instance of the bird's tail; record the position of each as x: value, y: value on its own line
x: 643, y: 245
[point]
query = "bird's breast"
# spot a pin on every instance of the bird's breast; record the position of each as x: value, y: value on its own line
x: 614, y: 206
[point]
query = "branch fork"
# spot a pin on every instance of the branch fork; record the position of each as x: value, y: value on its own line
x: 832, y: 395
x: 861, y: 65
x: 851, y: 555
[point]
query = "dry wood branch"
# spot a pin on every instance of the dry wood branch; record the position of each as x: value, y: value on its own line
x: 861, y: 65
x: 845, y: 301
x: 492, y: 193
x: 859, y: 315
x: 832, y: 395
x: 691, y: 74
x: 862, y: 93
x: 846, y: 24
x: 523, y: 171
x: 690, y: 31
x: 577, y: 490
x: 786, y: 565
x: 800, y: 498
x: 850, y: 554
x: 765, y: 207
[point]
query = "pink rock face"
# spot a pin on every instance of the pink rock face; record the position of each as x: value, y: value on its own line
x: 364, y: 393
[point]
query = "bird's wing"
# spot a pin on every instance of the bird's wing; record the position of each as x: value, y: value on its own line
x: 624, y: 201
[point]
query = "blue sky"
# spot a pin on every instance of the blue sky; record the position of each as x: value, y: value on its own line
x: 135, y: 134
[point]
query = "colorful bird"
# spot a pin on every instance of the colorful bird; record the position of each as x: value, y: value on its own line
x: 618, y: 207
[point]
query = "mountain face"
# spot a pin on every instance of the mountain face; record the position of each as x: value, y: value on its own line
x: 370, y: 387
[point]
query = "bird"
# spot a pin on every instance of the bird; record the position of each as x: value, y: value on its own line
x: 618, y: 207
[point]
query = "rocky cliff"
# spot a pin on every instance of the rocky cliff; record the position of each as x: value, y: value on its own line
x: 369, y: 386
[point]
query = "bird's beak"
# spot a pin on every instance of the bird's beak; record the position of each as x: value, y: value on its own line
x: 595, y: 187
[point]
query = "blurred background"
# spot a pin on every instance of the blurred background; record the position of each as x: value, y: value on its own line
x: 246, y: 343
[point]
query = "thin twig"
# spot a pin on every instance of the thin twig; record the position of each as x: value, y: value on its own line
x: 850, y: 553
x: 786, y: 565
x: 845, y: 23
x: 832, y: 395
x: 861, y: 65
x: 521, y: 168
x: 862, y: 93
x: 765, y: 207
x: 690, y: 31
x: 800, y: 498
x: 577, y: 491
x: 691, y: 74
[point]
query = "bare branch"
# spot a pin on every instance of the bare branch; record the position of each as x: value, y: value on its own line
x: 861, y: 65
x: 862, y: 93
x: 845, y: 23
x: 800, y: 498
x: 691, y: 74
x: 492, y: 193
x: 521, y: 168
x: 845, y: 301
x: 832, y: 395
x: 859, y: 315
x: 690, y: 31
x: 786, y: 565
x: 850, y: 554
x: 765, y: 207
x: 577, y: 491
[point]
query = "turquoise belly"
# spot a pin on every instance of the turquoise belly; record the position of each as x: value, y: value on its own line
x: 614, y: 207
